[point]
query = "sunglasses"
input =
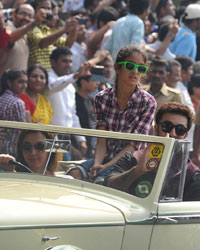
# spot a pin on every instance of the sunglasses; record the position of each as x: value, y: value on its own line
x: 167, y: 126
x: 39, y: 146
x: 130, y: 66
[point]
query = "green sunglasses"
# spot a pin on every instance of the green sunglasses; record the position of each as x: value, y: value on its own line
x: 130, y: 66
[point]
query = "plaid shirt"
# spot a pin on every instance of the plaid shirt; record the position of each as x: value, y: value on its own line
x: 137, y: 118
x: 38, y: 55
x: 12, y: 109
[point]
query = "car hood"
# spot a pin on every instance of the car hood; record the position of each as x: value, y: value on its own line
x: 34, y: 203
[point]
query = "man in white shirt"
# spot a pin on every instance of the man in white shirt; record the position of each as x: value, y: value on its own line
x: 62, y: 92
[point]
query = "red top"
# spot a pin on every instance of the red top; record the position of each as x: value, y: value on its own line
x: 4, y: 39
x: 195, y: 103
x: 29, y: 104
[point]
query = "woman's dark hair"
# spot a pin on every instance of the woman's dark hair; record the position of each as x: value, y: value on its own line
x: 52, y: 165
x: 175, y: 108
x: 128, y: 50
x: 194, y: 83
x: 10, y: 75
x: 37, y: 66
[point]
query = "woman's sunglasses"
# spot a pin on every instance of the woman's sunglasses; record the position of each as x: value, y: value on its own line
x: 39, y: 146
x: 130, y: 66
x: 167, y: 126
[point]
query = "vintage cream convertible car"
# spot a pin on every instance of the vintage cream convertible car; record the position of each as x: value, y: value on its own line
x: 40, y: 212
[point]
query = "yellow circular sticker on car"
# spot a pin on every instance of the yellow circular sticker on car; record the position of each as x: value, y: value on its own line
x: 156, y: 151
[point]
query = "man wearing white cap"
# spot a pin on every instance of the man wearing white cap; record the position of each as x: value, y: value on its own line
x: 185, y: 40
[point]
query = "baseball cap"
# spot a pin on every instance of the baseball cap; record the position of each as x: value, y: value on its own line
x: 192, y: 11
x: 158, y: 61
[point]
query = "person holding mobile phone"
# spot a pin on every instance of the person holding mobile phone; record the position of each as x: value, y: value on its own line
x: 42, y: 40
x: 23, y: 20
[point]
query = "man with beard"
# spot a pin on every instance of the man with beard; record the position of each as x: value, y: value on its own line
x: 15, y: 55
x: 157, y: 87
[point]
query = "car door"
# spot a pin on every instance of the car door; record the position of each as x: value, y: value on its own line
x: 178, y: 224
x: 177, y: 227
x: 140, y: 222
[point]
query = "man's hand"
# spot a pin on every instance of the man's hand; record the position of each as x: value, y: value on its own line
x: 83, y: 71
x: 94, y: 170
x: 99, y: 57
x: 71, y: 24
x: 147, y: 162
x: 102, y: 54
x: 110, y: 24
x: 4, y: 162
x: 143, y: 159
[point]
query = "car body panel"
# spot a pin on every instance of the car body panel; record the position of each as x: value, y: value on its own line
x: 33, y: 200
x: 177, y: 226
x: 31, y: 210
x: 91, y: 216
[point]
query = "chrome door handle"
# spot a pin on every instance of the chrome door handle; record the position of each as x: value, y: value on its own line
x: 166, y: 218
x: 44, y: 238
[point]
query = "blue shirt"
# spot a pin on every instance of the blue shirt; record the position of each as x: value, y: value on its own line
x: 127, y: 30
x: 184, y: 43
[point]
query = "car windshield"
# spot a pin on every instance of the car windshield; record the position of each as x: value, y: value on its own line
x: 60, y: 154
x: 173, y: 186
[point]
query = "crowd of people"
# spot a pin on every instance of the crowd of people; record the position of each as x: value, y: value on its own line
x: 109, y: 65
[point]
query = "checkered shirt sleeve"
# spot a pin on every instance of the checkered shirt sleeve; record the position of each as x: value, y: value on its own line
x: 136, y: 118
